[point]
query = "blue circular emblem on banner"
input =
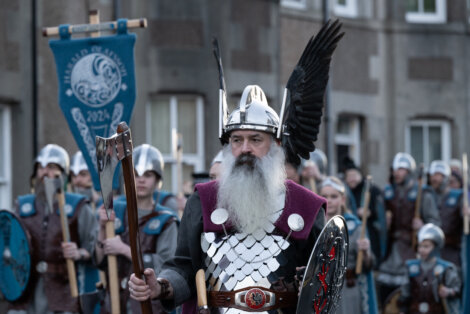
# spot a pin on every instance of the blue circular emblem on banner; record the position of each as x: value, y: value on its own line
x: 95, y: 79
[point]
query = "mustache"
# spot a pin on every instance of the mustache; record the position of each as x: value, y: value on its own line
x: 245, y: 159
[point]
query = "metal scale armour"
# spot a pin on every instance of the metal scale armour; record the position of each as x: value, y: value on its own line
x: 242, y: 260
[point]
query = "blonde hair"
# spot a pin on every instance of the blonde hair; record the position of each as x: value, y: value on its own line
x: 339, y: 186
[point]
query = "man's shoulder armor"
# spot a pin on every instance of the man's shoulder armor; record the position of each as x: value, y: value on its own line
x: 120, y: 212
x: 166, y: 210
x: 453, y: 197
x: 389, y: 192
x: 413, y: 266
x: 352, y: 222
x: 445, y: 264
x: 71, y: 203
x: 161, y: 196
x: 155, y: 225
x: 26, y: 205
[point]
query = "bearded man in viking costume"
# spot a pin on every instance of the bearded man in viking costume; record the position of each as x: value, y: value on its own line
x: 251, y: 229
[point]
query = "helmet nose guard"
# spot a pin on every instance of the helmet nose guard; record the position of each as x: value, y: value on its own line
x: 148, y: 158
x: 253, y: 113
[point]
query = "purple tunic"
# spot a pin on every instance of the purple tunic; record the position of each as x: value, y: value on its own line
x: 299, y: 200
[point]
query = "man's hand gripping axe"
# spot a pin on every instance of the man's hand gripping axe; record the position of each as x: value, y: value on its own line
x: 109, y: 151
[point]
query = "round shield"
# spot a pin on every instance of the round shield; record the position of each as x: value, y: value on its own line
x: 15, y: 262
x: 324, y: 274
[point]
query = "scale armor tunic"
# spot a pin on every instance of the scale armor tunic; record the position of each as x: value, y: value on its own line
x: 266, y: 258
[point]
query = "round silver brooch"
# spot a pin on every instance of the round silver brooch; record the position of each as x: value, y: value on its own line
x: 219, y: 216
x: 295, y: 222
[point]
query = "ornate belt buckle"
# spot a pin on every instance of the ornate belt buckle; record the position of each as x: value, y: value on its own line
x: 41, y: 267
x: 255, y: 298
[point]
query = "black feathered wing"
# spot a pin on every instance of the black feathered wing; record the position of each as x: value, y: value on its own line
x: 304, y: 95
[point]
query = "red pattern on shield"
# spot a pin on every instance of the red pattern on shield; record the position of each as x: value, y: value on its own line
x: 321, y: 300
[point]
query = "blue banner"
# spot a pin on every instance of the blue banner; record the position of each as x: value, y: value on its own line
x: 96, y: 87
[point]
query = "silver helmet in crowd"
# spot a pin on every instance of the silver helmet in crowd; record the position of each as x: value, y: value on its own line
x: 404, y: 160
x: 148, y: 158
x: 431, y: 232
x: 53, y: 154
x: 78, y: 163
x: 439, y: 166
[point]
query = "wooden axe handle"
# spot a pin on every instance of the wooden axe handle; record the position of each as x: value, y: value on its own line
x: 66, y: 238
x: 113, y: 272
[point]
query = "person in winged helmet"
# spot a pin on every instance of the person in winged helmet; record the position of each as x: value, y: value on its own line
x: 252, y: 228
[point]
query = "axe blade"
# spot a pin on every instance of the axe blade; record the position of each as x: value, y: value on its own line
x: 107, y: 160
x: 51, y: 185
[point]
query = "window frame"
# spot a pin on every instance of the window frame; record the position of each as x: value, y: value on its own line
x: 6, y: 201
x: 294, y: 4
x: 352, y: 139
x: 197, y: 160
x: 446, y: 143
x: 347, y: 10
x: 438, y: 17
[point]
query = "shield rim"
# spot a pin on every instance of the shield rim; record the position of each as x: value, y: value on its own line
x: 311, y: 261
x: 28, y: 243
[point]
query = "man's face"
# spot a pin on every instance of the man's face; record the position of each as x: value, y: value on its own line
x: 82, y: 180
x: 454, y: 183
x: 214, y: 171
x: 399, y: 175
x: 436, y: 180
x: 425, y: 248
x: 334, y: 200
x: 146, y: 184
x: 50, y: 170
x: 352, y: 178
x: 247, y: 142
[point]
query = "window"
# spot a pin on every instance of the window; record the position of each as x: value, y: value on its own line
x: 426, y: 11
x: 5, y: 158
x: 428, y: 140
x: 168, y: 116
x: 296, y: 4
x: 348, y: 139
x: 346, y: 8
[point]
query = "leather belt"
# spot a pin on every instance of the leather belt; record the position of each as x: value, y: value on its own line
x: 252, y: 299
x: 45, y: 267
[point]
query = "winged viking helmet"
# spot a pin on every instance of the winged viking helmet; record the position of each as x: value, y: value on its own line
x: 298, y: 124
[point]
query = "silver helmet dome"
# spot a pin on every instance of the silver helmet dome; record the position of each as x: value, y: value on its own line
x: 148, y: 158
x: 404, y: 160
x: 253, y: 113
x: 431, y: 232
x: 439, y: 166
x: 53, y: 154
x: 78, y: 163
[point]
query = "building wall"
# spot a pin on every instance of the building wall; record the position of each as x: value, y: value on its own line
x: 385, y: 71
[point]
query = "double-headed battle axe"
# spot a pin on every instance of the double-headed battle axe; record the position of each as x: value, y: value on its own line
x: 108, y: 152
x: 54, y: 187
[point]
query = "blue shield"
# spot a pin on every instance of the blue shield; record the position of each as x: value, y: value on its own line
x: 15, y: 265
x: 96, y: 87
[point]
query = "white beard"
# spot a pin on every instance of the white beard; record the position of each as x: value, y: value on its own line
x: 250, y: 194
